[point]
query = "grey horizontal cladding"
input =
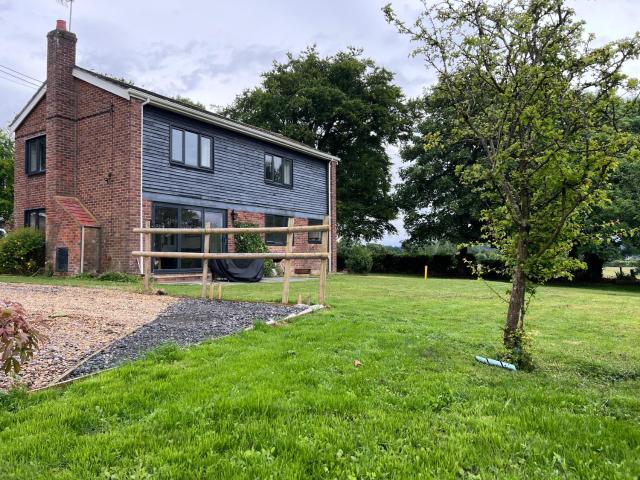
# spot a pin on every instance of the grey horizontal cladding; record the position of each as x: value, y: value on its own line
x: 198, y: 202
x: 237, y: 179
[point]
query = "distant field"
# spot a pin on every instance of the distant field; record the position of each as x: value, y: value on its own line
x: 292, y: 402
x: 610, y: 272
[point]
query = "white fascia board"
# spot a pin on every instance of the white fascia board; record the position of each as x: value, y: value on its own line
x: 100, y: 83
x: 231, y: 125
x: 27, y: 108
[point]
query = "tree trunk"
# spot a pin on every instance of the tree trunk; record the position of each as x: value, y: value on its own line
x: 515, y: 314
x: 462, y: 269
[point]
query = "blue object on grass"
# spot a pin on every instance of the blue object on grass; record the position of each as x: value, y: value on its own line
x: 495, y: 363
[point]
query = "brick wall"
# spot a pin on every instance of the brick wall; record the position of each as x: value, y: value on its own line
x: 93, y: 153
x: 108, y: 171
x: 29, y: 191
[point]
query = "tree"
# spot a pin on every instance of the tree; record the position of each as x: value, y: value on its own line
x: 6, y: 175
x: 347, y: 106
x: 435, y: 202
x: 528, y: 85
x: 614, y: 226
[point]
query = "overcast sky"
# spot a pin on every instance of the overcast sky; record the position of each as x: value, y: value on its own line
x: 210, y: 50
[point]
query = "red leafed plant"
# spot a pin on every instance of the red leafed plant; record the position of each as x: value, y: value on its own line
x: 18, y: 339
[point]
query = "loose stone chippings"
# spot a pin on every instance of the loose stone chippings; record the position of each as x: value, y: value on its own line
x: 184, y: 323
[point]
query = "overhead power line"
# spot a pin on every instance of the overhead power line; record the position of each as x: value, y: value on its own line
x: 20, y: 73
x: 28, y: 85
x: 25, y: 81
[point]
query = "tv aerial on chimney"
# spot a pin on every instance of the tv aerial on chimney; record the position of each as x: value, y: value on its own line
x: 67, y: 3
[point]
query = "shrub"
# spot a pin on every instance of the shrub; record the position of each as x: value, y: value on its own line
x: 253, y: 243
x: 118, y: 277
x: 22, y: 252
x: 359, y: 260
x: 18, y: 339
x: 520, y: 353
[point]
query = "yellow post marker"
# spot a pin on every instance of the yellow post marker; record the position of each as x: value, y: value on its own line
x: 426, y: 269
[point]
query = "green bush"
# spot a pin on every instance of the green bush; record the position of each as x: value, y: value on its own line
x: 359, y: 260
x: 253, y: 243
x: 118, y: 277
x: 22, y: 252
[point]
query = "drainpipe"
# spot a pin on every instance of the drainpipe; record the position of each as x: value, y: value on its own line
x: 330, y: 211
x: 140, y: 261
x: 82, y: 250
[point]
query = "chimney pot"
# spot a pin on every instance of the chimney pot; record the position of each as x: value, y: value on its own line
x: 61, y: 25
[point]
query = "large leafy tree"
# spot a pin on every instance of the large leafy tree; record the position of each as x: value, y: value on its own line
x: 436, y: 204
x: 614, y: 226
x: 542, y: 102
x: 345, y: 105
x: 6, y: 175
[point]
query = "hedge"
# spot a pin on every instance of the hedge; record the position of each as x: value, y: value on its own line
x: 413, y: 264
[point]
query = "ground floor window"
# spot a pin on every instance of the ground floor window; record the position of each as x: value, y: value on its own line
x: 275, y: 221
x: 35, y: 218
x: 315, y: 237
x: 180, y: 216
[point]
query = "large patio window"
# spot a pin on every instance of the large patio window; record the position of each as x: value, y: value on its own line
x: 174, y: 216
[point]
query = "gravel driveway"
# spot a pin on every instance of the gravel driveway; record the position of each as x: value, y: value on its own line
x: 186, y: 322
x: 77, y: 322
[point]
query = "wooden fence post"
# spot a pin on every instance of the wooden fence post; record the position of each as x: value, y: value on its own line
x: 287, y: 263
x: 324, y: 262
x: 147, y: 260
x: 205, y: 263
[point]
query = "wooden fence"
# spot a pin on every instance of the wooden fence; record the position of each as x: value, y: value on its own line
x: 323, y: 255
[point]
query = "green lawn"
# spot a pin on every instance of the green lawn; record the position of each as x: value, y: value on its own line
x: 288, y: 402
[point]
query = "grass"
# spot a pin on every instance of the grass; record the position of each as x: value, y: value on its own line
x: 288, y: 402
x: 612, y: 272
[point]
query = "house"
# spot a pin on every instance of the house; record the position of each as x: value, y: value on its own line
x: 97, y: 157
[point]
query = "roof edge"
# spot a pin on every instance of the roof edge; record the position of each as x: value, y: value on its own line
x: 26, y: 110
x: 230, y: 125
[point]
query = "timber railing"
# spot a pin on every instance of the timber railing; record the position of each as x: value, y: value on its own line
x: 287, y: 256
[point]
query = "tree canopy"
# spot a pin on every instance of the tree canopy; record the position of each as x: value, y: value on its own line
x: 435, y: 202
x: 6, y: 175
x: 345, y: 105
x: 529, y: 87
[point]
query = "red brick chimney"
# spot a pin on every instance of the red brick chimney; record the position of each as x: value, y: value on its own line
x: 60, y: 125
x: 61, y: 109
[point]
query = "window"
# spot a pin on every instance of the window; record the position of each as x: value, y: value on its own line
x: 35, y: 155
x: 191, y: 149
x: 278, y: 170
x: 35, y: 218
x: 315, y: 237
x: 275, y: 221
x: 172, y: 216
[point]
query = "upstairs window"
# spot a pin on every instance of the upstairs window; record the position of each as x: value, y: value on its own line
x: 275, y: 221
x: 315, y: 237
x: 35, y: 155
x: 278, y: 170
x: 191, y: 149
x: 35, y: 218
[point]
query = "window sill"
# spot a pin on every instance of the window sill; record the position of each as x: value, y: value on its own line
x: 190, y: 167
x: 277, y: 184
x: 35, y: 174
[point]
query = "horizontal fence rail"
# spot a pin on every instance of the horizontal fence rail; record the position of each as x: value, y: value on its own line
x: 323, y: 255
x: 232, y: 231
x: 233, y: 256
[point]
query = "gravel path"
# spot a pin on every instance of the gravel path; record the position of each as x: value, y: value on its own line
x: 186, y: 322
x: 77, y: 322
